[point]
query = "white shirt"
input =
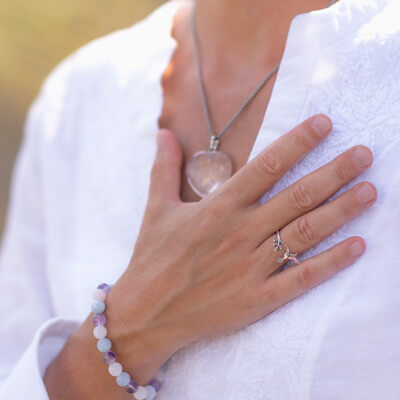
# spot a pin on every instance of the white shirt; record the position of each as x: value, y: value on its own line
x: 80, y: 187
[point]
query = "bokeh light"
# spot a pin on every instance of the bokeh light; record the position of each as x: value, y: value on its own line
x: 34, y: 37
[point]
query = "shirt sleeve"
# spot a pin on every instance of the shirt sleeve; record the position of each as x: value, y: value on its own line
x: 30, y: 334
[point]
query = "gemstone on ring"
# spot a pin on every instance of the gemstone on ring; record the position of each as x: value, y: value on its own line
x: 293, y: 258
x: 278, y: 244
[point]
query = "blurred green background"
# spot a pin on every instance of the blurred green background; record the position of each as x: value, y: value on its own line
x: 34, y: 37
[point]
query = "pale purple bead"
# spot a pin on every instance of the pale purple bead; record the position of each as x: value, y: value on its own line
x: 100, y: 332
x: 115, y: 369
x: 104, y: 287
x: 156, y: 384
x: 99, y: 294
x: 99, y: 320
x: 141, y: 393
x: 109, y: 357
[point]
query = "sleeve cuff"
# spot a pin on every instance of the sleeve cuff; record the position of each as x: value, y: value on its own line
x: 26, y: 379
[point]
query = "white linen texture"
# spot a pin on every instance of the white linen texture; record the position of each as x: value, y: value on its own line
x: 80, y: 186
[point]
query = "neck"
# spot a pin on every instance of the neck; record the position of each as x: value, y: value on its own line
x: 246, y: 31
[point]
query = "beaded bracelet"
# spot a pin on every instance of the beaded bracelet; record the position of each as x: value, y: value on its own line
x: 104, y: 345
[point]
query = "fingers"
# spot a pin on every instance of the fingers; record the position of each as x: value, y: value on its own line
x: 259, y: 175
x: 312, y: 190
x: 166, y: 171
x: 310, y: 229
x: 291, y: 283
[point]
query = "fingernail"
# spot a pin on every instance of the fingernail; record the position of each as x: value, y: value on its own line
x: 321, y: 125
x: 356, y: 249
x: 362, y: 157
x: 366, y: 193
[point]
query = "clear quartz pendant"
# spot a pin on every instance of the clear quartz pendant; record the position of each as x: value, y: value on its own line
x: 208, y: 170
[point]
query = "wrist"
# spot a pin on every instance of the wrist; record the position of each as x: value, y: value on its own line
x: 79, y: 371
x: 141, y: 346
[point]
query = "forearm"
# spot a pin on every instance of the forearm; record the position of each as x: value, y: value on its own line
x: 78, y: 371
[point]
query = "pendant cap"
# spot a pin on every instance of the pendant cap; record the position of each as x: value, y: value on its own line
x: 214, y: 143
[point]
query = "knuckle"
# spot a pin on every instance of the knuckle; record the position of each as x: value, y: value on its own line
x: 341, y: 171
x: 217, y: 208
x: 269, y: 163
x: 270, y: 296
x: 249, y: 299
x: 306, y: 231
x: 307, y: 278
x: 347, y: 207
x: 253, y: 260
x: 253, y: 297
x: 336, y: 261
x: 300, y: 197
x: 306, y: 139
x: 235, y: 235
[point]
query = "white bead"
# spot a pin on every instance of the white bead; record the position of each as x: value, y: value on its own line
x: 99, y: 295
x: 115, y: 369
x: 151, y: 392
x: 100, y: 332
x: 141, y: 393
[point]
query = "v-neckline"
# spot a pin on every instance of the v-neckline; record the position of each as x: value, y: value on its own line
x: 287, y: 96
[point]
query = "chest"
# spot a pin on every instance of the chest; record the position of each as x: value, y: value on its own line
x: 97, y: 167
x: 183, y: 112
x: 96, y: 191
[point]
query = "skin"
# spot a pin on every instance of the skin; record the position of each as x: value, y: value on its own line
x: 238, y: 45
x: 184, y: 284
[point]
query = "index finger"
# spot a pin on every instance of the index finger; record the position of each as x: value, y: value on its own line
x: 259, y: 175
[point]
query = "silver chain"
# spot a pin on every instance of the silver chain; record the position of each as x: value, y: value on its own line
x: 214, y: 139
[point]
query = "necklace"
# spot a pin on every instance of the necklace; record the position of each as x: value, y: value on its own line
x: 208, y: 170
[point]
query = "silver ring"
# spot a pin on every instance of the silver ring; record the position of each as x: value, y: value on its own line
x: 278, y: 245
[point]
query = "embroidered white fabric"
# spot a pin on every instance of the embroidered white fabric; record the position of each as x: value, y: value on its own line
x: 80, y: 188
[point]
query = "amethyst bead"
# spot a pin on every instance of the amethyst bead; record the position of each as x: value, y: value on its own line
x: 109, y: 357
x: 156, y: 384
x: 104, y: 287
x: 99, y: 320
x: 132, y: 387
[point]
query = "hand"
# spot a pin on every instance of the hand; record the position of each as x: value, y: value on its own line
x: 208, y: 268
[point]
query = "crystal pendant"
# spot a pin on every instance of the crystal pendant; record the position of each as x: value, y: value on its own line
x: 208, y: 170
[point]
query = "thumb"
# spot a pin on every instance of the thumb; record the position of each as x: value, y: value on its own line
x: 166, y: 172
